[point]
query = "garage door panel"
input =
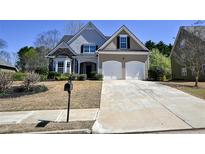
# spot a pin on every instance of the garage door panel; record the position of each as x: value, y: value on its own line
x: 112, y: 70
x: 135, y: 70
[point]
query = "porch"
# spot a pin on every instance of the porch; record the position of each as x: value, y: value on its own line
x: 87, y: 68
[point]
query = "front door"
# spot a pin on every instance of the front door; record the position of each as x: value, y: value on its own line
x: 88, y: 70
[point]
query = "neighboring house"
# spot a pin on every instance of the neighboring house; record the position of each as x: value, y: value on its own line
x: 4, y: 66
x: 180, y: 72
x: 120, y: 56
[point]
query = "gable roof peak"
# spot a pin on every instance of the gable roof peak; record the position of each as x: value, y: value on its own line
x: 123, y: 27
x: 89, y: 24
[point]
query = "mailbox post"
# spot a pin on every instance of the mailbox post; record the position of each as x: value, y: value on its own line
x: 68, y: 87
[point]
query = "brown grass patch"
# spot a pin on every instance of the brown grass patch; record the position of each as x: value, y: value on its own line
x: 85, y: 94
x: 188, y: 87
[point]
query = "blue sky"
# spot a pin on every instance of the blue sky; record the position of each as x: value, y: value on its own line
x: 22, y: 33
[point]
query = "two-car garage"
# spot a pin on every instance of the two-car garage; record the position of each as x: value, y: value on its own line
x: 133, y: 70
x: 129, y: 67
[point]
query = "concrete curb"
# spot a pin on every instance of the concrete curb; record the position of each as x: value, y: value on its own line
x: 159, y: 131
x: 74, y: 131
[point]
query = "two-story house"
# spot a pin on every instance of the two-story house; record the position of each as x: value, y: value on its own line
x: 184, y: 37
x: 120, y: 56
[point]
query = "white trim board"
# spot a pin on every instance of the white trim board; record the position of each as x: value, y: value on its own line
x: 124, y: 53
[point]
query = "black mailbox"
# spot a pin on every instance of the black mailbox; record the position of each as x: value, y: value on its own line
x: 68, y: 87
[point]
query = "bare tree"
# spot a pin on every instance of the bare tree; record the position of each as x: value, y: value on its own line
x: 192, y: 53
x: 199, y: 22
x: 3, y: 44
x: 44, y: 43
x: 14, y: 58
x: 73, y: 27
x: 48, y: 39
x: 6, y: 56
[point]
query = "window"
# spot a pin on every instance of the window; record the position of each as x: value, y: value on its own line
x: 60, y: 66
x: 123, y: 42
x: 184, y: 71
x: 89, y: 48
x: 68, y: 67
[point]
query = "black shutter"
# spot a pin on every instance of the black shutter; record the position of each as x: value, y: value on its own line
x: 118, y: 42
x: 96, y: 47
x: 81, y: 48
x: 128, y: 42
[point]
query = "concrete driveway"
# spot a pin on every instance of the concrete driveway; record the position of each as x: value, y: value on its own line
x: 142, y: 106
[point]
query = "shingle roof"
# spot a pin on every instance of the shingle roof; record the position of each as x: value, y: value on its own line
x: 4, y: 63
x: 107, y: 37
x: 66, y: 38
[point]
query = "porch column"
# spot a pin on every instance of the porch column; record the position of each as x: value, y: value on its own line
x: 78, y: 66
x: 70, y: 67
x: 99, y: 65
x: 123, y: 69
x: 73, y: 65
x: 56, y: 66
x: 65, y: 66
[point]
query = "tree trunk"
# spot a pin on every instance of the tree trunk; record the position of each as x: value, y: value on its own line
x: 196, y: 79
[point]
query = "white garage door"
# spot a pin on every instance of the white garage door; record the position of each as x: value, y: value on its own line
x: 112, y: 70
x: 135, y: 70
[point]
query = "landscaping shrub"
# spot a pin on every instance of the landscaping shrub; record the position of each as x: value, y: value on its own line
x: 74, y: 76
x: 6, y: 80
x: 98, y: 77
x: 63, y: 77
x: 19, y: 76
x: 93, y: 75
x: 42, y: 71
x: 19, y: 89
x: 39, y: 88
x: 156, y: 74
x: 82, y: 77
x: 53, y: 75
x: 34, y: 89
x: 30, y: 80
x: 43, y: 77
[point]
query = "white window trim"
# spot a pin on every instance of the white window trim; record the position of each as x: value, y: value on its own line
x: 68, y: 68
x: 121, y: 36
x: 65, y: 61
x: 60, y: 61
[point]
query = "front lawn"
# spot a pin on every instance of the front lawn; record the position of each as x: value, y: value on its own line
x: 188, y: 87
x: 85, y: 94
